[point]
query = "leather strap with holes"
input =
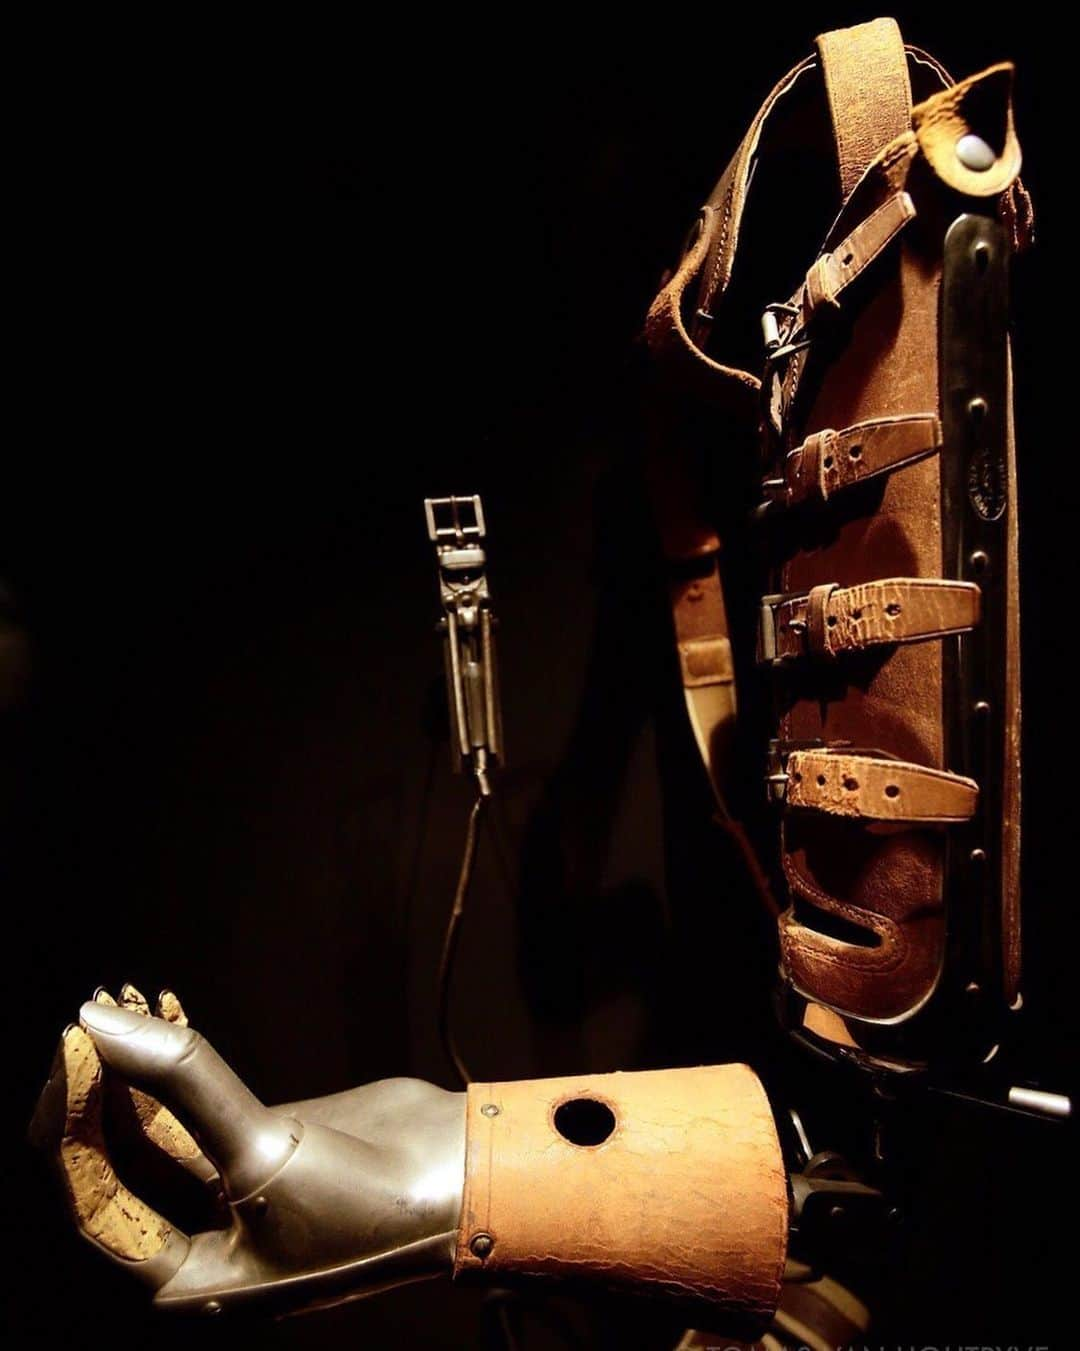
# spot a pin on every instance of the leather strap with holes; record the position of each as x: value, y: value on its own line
x: 829, y: 620
x: 833, y: 272
x: 844, y: 783
x: 829, y: 461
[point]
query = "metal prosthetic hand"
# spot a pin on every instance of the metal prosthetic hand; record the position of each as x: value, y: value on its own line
x: 316, y: 1201
x: 669, y: 1183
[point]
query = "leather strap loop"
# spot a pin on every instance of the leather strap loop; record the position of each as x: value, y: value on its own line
x: 830, y: 620
x: 844, y: 783
x: 866, y: 77
x: 981, y: 105
x: 818, y: 615
x: 829, y: 461
x: 834, y: 272
x: 706, y: 661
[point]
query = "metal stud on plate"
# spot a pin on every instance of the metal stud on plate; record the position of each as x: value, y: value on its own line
x: 482, y: 1245
x: 973, y: 153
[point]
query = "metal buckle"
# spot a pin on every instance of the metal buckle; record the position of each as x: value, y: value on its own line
x: 766, y: 645
x: 456, y: 528
x: 779, y: 750
x: 448, y: 522
x: 776, y: 779
x: 774, y: 491
x: 770, y: 325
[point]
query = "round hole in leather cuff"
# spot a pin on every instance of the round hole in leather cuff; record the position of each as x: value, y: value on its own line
x: 584, y: 1121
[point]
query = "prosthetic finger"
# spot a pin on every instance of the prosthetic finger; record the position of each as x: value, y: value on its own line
x: 246, y: 1140
x: 68, y: 1123
x: 669, y: 1182
x: 133, y: 999
x: 156, y: 1122
x: 170, y: 1008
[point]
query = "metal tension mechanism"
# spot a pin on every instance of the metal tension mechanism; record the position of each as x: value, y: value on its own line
x: 456, y: 528
x: 833, y: 1213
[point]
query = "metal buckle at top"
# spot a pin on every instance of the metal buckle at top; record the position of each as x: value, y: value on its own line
x: 453, y: 524
x: 456, y: 528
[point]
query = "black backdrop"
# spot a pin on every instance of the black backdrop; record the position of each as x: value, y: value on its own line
x: 275, y: 298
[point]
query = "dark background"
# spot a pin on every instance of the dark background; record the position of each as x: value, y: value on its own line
x: 276, y: 297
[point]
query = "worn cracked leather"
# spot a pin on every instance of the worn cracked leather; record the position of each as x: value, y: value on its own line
x: 853, y: 402
x: 685, y: 1198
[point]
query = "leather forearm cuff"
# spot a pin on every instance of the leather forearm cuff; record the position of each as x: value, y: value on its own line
x: 666, y: 1182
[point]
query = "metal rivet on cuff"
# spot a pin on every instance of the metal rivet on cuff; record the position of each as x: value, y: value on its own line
x: 481, y: 1245
x: 974, y: 154
x: 489, y: 1109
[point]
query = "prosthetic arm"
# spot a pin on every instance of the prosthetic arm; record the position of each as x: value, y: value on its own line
x: 667, y: 1182
x: 887, y: 637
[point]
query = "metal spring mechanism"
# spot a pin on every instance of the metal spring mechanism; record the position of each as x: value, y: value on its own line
x: 456, y: 528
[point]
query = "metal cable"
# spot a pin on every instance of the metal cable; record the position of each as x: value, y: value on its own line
x: 450, y: 941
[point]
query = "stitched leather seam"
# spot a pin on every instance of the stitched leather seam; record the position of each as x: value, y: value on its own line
x: 793, y: 945
x: 893, y: 947
x: 725, y: 228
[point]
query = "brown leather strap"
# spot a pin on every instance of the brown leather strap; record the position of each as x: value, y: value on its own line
x: 709, y: 258
x: 707, y: 265
x: 866, y: 77
x: 846, y: 783
x: 829, y: 461
x: 705, y: 661
x: 835, y: 271
x: 708, y: 679
x: 830, y: 620
x: 980, y: 106
x: 708, y: 676
x: 969, y: 107
x: 691, y: 548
